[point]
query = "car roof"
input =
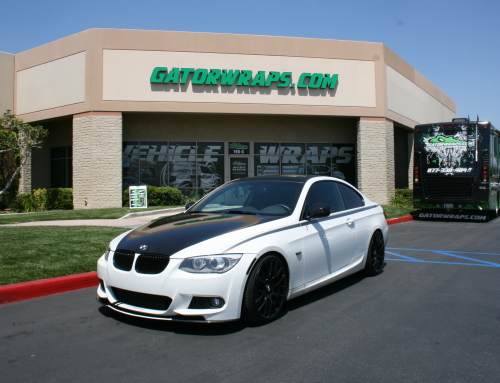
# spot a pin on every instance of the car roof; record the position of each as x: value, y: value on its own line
x: 289, y: 178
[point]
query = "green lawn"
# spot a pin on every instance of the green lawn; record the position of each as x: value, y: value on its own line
x: 54, y: 215
x: 30, y: 253
x: 39, y: 252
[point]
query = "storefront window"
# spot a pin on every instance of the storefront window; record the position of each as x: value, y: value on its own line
x: 61, y: 167
x: 343, y: 162
x: 130, y: 164
x: 337, y: 160
x: 195, y: 168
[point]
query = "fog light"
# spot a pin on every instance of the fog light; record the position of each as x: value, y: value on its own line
x: 216, y: 302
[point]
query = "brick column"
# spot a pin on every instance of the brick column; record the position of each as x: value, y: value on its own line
x: 97, y: 160
x: 375, y: 152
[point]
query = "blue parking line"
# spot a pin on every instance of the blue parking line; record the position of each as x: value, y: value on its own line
x: 461, y: 252
x: 447, y: 253
x: 470, y: 259
x: 446, y: 263
x: 404, y: 256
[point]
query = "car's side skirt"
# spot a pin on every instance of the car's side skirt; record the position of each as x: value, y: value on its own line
x: 327, y: 279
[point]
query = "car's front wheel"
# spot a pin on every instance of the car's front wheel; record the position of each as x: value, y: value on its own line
x: 266, y: 290
x: 376, y: 255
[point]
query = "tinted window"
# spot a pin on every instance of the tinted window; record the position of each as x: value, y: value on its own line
x: 351, y: 197
x: 253, y: 197
x: 326, y: 193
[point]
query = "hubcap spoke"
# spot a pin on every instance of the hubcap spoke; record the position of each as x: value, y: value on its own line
x: 270, y: 288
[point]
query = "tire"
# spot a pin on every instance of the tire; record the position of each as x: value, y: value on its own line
x: 266, y: 290
x: 494, y: 213
x: 376, y: 255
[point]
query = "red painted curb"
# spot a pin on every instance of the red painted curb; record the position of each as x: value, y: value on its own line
x: 393, y: 221
x: 28, y: 290
x: 41, y: 288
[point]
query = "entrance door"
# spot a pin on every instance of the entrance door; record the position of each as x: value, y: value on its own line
x: 239, y: 167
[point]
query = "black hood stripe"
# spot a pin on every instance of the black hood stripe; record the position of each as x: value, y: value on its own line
x: 172, y: 234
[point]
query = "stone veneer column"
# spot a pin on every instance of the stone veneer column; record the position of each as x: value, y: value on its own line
x: 97, y: 160
x: 375, y: 158
x: 410, y: 159
x: 25, y: 180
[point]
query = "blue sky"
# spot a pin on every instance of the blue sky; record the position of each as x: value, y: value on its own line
x: 455, y: 44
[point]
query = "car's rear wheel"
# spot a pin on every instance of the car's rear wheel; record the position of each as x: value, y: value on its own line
x: 376, y: 255
x: 266, y: 290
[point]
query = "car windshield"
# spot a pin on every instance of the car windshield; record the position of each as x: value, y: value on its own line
x: 253, y: 197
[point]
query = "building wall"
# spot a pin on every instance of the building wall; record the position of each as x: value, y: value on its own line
x: 103, y: 46
x: 51, y: 85
x: 108, y: 71
x: 409, y: 100
x: 208, y: 127
x: 126, y: 76
x: 6, y: 82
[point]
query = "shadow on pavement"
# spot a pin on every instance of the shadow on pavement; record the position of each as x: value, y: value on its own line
x: 218, y: 329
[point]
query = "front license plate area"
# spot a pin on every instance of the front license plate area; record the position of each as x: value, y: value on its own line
x: 448, y: 206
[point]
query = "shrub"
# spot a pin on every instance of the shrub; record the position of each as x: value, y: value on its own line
x: 24, y: 203
x: 44, y: 199
x: 59, y: 199
x: 159, y: 196
x: 3, y: 203
x: 403, y: 198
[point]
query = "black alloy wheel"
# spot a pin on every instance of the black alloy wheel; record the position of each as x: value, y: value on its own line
x: 266, y: 290
x: 376, y: 255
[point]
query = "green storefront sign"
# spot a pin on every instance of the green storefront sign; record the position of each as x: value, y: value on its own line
x: 229, y: 77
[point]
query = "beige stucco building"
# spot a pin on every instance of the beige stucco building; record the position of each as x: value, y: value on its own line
x: 194, y: 110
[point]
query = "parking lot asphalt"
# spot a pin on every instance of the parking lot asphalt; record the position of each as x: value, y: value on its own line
x: 433, y: 315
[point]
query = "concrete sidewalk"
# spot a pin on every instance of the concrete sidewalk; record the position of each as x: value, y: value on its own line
x: 130, y: 221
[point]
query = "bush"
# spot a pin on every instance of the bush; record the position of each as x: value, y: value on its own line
x: 59, y: 199
x: 159, y: 196
x: 44, y: 199
x: 403, y: 198
x: 24, y: 203
x: 3, y: 203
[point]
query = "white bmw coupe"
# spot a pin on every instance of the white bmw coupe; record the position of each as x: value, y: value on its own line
x: 243, y: 250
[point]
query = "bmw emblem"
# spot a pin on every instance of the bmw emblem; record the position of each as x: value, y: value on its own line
x: 143, y: 247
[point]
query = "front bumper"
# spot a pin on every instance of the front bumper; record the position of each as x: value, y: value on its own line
x: 179, y: 286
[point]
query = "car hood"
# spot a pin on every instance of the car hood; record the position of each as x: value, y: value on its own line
x: 172, y: 234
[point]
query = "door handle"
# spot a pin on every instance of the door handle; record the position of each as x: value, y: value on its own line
x: 350, y: 221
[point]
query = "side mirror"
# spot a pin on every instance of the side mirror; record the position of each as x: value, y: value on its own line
x: 319, y: 210
x: 189, y: 204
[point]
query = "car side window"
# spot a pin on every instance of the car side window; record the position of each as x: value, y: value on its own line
x: 325, y: 192
x: 352, y: 199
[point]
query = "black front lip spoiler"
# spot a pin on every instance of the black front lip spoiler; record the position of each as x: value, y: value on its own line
x: 177, y: 318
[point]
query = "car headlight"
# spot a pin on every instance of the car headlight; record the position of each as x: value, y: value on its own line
x: 106, y: 254
x: 210, y: 264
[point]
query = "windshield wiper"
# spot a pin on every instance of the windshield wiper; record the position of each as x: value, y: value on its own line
x: 241, y: 212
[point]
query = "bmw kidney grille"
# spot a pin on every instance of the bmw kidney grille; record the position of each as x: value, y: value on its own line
x: 145, y: 264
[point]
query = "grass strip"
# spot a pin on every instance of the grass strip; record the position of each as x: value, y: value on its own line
x: 33, y: 253
x: 396, y: 212
x: 55, y: 215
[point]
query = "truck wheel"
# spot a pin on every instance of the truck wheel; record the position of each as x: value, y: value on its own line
x: 494, y: 213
